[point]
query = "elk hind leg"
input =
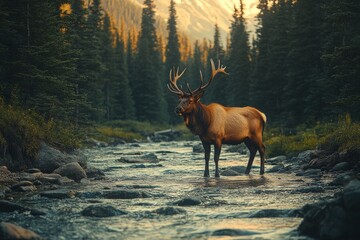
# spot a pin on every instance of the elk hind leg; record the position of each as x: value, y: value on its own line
x: 262, y: 159
x: 216, y: 159
x: 253, y: 149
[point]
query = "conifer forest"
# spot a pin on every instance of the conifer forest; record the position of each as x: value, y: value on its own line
x: 73, y: 64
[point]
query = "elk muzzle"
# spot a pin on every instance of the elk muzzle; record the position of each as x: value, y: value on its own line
x: 179, y: 110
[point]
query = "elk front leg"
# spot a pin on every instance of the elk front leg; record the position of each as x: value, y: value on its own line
x: 216, y: 159
x: 207, y: 149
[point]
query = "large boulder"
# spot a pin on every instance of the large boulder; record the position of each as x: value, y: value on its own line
x: 72, y: 170
x: 50, y: 158
x: 12, y: 231
x: 335, y: 219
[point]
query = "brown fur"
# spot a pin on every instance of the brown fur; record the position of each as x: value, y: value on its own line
x: 217, y: 125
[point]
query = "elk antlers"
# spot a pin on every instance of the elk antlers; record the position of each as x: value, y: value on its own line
x: 172, y: 86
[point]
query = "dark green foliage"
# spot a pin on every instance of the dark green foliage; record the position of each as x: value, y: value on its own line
x: 123, y: 104
x: 35, y: 65
x: 218, y: 88
x: 172, y: 56
x: 239, y: 61
x: 148, y: 92
x: 306, y: 64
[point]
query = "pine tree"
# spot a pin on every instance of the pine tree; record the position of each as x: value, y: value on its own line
x: 342, y: 57
x: 303, y: 100
x: 259, y: 87
x: 218, y: 90
x: 172, y: 54
x: 148, y: 94
x: 37, y: 65
x: 239, y: 62
x: 92, y: 66
x: 123, y: 105
x: 108, y: 59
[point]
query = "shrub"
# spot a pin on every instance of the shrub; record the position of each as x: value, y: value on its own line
x: 21, y: 132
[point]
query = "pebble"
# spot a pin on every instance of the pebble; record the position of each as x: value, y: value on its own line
x: 170, y: 211
x: 59, y: 194
x: 23, y: 186
x: 102, y: 211
x: 188, y: 202
x: 125, y: 194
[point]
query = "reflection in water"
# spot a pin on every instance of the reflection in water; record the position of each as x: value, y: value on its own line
x: 238, y: 182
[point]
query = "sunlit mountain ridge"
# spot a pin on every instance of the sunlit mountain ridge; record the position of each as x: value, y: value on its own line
x: 195, y: 18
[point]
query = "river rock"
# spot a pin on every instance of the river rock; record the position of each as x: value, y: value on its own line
x: 342, y: 179
x: 50, y: 158
x: 232, y: 232
x: 351, y: 196
x: 309, y: 189
x: 188, y: 201
x: 342, y: 166
x: 275, y: 168
x: 7, y: 206
x: 310, y: 173
x: 335, y: 219
x: 164, y: 135
x: 275, y: 160
x: 169, y: 211
x: 198, y: 148
x: 33, y: 170
x: 147, y: 158
x: 324, y: 162
x: 72, y: 170
x: 273, y: 213
x: 12, y: 231
x: 125, y: 194
x: 92, y: 172
x: 23, y: 186
x: 333, y: 225
x: 229, y: 172
x: 102, y: 211
x: 58, y: 194
x: 52, y: 178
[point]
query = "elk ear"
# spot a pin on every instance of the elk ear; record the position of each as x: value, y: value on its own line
x: 198, y: 96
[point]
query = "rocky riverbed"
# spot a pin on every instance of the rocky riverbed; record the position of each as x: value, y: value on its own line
x: 156, y: 191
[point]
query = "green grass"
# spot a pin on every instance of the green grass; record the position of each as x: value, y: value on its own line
x: 131, y: 130
x: 340, y: 136
x: 25, y: 129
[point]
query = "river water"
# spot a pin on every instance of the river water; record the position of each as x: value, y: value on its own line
x: 229, y: 207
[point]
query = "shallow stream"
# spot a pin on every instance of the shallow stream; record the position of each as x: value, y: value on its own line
x: 229, y: 207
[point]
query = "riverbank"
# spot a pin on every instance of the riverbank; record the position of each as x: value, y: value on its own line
x: 157, y: 190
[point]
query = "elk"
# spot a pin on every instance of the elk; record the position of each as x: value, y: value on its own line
x: 216, y: 124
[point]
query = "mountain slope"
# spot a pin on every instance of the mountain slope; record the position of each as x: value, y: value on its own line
x: 196, y: 18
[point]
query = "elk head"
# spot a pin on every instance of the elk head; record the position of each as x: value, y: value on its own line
x: 188, y: 100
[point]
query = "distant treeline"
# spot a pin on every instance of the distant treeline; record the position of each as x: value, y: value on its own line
x: 73, y: 64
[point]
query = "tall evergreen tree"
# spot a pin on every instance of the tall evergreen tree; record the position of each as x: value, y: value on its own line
x: 148, y: 94
x: 92, y: 66
x: 123, y: 104
x: 218, y: 89
x: 259, y: 87
x: 239, y: 60
x: 303, y: 100
x: 342, y: 57
x: 36, y: 64
x: 172, y: 54
x: 108, y: 59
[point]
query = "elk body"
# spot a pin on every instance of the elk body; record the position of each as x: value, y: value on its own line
x: 217, y: 125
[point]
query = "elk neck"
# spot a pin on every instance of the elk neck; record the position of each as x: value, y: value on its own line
x: 198, y: 120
